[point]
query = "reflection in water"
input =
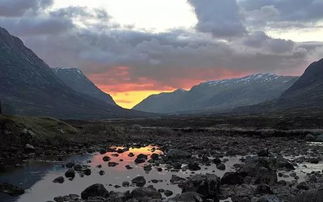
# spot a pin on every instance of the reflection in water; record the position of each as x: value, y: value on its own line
x: 41, y: 187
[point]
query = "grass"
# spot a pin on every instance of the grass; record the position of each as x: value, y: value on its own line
x: 41, y: 128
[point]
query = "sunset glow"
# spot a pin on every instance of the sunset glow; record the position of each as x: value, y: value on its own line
x: 130, y: 98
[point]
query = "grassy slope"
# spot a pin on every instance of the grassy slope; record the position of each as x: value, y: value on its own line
x: 40, y: 128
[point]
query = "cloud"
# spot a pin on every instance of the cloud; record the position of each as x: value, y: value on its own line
x: 218, y: 17
x: 275, y: 12
x: 14, y: 8
x: 127, y: 60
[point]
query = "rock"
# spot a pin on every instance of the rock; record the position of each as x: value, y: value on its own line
x: 207, y: 185
x: 187, y: 197
x: 194, y: 166
x: 29, y: 148
x: 59, y: 180
x: 232, y: 178
x: 70, y: 165
x: 259, y: 171
x: 319, y: 138
x: 11, y: 190
x: 139, y: 181
x: 141, y: 158
x: 147, y: 167
x: 131, y: 154
x: 309, y: 196
x: 154, y: 156
x: 70, y: 173
x: 106, y: 158
x: 302, y: 186
x: 177, y: 180
x: 269, y: 198
x: 216, y: 161
x: 103, y: 151
x: 177, y: 154
x: 314, y: 160
x: 78, y: 167
x: 96, y: 190
x: 145, y: 194
x: 101, y: 172
x: 263, y: 153
x: 266, y: 176
x: 113, y: 164
x: 128, y: 167
x: 168, y: 193
x: 220, y: 166
x: 125, y: 184
x: 263, y: 189
x: 310, y: 137
x: 87, y: 171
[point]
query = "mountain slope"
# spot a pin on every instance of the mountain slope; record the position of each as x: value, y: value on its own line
x: 29, y: 87
x: 307, y: 91
x: 220, y: 95
x: 75, y: 79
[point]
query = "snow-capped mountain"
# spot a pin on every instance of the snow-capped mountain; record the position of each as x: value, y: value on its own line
x: 219, y: 95
x: 75, y: 79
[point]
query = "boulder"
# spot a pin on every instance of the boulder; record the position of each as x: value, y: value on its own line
x: 145, y: 193
x: 194, y: 166
x: 70, y: 173
x: 206, y: 185
x: 139, y: 181
x: 59, y: 180
x: 309, y: 196
x: 178, y: 154
x: 96, y: 190
x: 177, y: 180
x: 187, y: 197
x: 319, y: 138
x: 220, y: 166
x: 232, y: 178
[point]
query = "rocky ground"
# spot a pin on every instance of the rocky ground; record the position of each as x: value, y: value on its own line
x: 268, y: 170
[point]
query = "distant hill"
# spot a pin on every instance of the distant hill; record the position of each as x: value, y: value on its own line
x: 219, y: 95
x: 29, y: 87
x: 75, y: 79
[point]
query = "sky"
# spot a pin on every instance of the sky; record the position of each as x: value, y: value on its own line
x: 134, y: 48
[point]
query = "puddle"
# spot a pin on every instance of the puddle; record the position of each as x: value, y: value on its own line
x: 38, y: 177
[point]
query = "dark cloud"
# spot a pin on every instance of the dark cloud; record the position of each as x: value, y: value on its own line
x: 76, y: 12
x: 293, y: 11
x: 221, y: 18
x: 260, y: 39
x: 37, y: 26
x: 20, y: 7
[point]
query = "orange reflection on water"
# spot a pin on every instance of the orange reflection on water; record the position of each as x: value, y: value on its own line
x: 124, y: 159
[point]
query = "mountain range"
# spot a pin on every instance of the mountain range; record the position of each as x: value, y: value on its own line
x: 28, y: 86
x: 219, y: 95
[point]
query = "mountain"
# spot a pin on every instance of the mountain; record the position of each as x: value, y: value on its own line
x: 307, y: 91
x: 75, y: 79
x: 29, y: 87
x: 219, y: 95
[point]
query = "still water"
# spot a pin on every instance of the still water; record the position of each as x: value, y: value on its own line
x: 37, y: 177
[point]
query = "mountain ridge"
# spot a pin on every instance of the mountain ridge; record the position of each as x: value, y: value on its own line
x: 75, y: 79
x: 219, y: 95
